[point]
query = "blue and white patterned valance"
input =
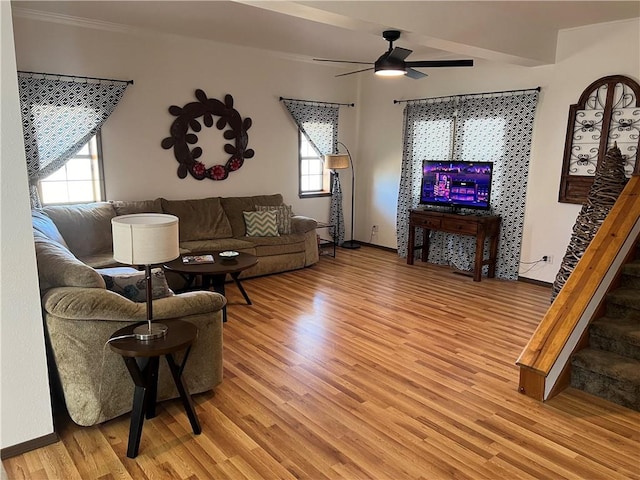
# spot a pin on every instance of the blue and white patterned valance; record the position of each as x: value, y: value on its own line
x: 59, y: 117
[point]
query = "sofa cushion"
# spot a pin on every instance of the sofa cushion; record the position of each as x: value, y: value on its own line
x: 200, y: 219
x: 133, y: 285
x: 86, y: 228
x: 215, y: 245
x: 58, y: 267
x: 126, y: 207
x: 100, y: 260
x: 283, y: 216
x: 285, y: 244
x: 261, y: 224
x: 45, y: 225
x: 234, y: 206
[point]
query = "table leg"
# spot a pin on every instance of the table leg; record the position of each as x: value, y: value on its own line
x: 139, y: 405
x: 176, y: 372
x: 426, y: 236
x: 151, y: 371
x: 411, y: 244
x: 217, y: 282
x: 477, y: 268
x: 236, y: 279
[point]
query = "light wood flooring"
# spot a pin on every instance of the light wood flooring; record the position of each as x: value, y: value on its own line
x: 363, y: 367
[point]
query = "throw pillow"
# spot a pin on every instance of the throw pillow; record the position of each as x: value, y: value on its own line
x: 45, y: 225
x: 134, y: 285
x: 261, y: 224
x: 283, y: 216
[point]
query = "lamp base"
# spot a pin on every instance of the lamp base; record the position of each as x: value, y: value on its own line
x: 350, y: 244
x: 150, y: 331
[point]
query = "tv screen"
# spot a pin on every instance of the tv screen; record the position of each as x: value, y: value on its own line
x: 456, y: 184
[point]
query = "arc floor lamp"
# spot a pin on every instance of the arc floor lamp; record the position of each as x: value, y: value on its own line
x: 337, y: 161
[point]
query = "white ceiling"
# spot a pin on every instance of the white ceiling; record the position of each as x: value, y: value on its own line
x: 516, y: 32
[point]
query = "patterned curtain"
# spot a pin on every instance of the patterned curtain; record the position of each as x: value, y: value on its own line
x: 59, y: 117
x: 428, y: 133
x: 335, y: 210
x: 491, y: 129
x: 319, y: 124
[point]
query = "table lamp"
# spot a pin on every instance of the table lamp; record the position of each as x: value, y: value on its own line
x: 146, y: 239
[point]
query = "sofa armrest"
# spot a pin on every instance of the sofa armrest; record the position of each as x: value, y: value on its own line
x: 301, y: 224
x: 76, y: 303
x: 94, y: 380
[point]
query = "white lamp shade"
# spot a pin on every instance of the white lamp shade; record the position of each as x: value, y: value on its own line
x: 336, y: 161
x: 145, y: 238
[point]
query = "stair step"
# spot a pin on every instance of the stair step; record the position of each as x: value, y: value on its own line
x: 624, y: 302
x: 607, y: 375
x: 632, y: 268
x: 617, y: 335
x: 631, y: 273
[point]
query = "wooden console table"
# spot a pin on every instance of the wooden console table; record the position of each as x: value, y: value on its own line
x: 480, y: 226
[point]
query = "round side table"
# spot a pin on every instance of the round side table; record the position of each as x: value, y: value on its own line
x: 142, y: 358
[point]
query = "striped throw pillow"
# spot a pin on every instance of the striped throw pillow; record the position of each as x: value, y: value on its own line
x: 261, y: 224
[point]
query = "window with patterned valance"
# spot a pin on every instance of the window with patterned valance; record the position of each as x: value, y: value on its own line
x: 318, y: 123
x: 59, y: 117
x: 607, y: 112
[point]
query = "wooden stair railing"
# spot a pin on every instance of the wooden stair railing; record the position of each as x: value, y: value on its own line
x: 545, y: 361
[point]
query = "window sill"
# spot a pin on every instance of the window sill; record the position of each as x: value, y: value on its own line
x: 314, y: 194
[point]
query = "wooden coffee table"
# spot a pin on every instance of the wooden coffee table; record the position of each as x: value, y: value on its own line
x: 214, y: 274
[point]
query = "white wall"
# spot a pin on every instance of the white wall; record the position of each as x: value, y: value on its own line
x: 584, y: 55
x: 25, y: 404
x: 167, y: 70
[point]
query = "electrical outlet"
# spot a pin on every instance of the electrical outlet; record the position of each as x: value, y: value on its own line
x: 374, y: 229
x: 547, y: 259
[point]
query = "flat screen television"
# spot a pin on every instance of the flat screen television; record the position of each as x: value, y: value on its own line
x: 456, y: 184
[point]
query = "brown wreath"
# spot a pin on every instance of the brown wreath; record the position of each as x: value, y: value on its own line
x: 187, y: 118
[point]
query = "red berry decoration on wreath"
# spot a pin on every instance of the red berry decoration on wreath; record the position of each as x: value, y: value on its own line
x: 187, y: 118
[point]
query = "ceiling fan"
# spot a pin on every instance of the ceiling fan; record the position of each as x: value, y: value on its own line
x: 392, y: 63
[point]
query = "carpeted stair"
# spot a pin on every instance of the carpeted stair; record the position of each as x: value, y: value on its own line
x: 610, y: 367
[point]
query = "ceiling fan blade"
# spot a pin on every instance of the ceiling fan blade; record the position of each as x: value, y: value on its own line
x: 341, y: 61
x: 415, y: 74
x: 357, y: 71
x: 399, y: 53
x: 441, y: 63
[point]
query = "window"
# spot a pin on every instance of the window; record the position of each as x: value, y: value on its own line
x: 440, y: 135
x: 80, y: 179
x: 474, y: 134
x: 314, y: 178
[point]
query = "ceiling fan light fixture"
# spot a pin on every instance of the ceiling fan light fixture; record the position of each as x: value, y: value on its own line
x: 391, y: 72
x: 392, y: 62
x: 386, y: 66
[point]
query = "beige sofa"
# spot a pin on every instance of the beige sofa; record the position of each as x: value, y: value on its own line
x: 73, y: 246
x: 208, y: 224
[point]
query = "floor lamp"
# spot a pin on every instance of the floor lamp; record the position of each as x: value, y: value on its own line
x: 340, y: 161
x: 146, y: 239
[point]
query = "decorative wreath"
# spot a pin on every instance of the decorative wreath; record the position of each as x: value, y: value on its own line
x: 187, y: 118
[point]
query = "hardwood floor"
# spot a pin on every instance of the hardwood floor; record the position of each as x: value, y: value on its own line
x: 363, y: 367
